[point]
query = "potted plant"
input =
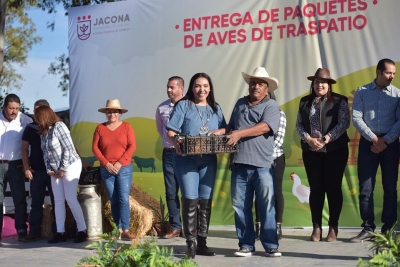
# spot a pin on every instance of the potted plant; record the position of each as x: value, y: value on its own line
x: 386, y: 249
x: 146, y: 254
x: 161, y: 224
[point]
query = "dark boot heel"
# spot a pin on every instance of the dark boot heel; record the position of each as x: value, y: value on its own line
x: 191, y: 248
x: 202, y: 248
x: 204, y: 214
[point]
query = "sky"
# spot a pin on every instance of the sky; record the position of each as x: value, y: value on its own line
x: 38, y: 83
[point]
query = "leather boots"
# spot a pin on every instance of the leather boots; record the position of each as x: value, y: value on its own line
x: 189, y: 219
x: 204, y: 214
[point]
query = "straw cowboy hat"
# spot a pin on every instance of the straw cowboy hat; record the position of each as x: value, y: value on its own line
x: 113, y: 104
x: 261, y: 73
x: 322, y: 73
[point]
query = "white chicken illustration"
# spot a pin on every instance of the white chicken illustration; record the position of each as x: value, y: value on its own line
x: 300, y: 191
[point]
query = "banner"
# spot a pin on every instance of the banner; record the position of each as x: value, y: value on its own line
x: 128, y: 50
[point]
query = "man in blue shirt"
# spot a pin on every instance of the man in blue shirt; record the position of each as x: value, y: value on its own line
x: 175, y: 93
x: 376, y: 116
x: 253, y: 123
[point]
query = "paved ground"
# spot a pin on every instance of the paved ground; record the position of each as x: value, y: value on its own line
x: 295, y: 247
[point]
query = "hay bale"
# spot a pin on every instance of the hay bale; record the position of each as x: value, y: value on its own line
x: 141, y: 218
x: 47, y: 221
x: 143, y: 198
x: 140, y: 223
x: 70, y: 224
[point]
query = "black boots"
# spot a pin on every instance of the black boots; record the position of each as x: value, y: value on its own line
x: 189, y: 219
x: 57, y: 238
x: 204, y: 214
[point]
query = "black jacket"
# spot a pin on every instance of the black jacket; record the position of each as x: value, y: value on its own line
x: 329, y: 119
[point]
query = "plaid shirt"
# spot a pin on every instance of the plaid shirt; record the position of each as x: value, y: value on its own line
x: 377, y: 111
x: 279, y: 136
x: 58, y: 150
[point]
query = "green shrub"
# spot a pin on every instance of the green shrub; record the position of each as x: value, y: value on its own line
x: 146, y: 254
x: 386, y: 249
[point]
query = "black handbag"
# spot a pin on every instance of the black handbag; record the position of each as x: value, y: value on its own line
x: 90, y: 176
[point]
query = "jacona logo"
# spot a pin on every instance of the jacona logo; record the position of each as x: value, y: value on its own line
x: 84, y: 26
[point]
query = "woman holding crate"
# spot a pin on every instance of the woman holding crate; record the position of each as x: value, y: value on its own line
x: 197, y: 113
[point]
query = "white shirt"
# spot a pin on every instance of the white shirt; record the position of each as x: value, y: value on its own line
x: 11, y: 136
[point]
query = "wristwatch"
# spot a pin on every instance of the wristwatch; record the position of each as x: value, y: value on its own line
x: 324, y: 139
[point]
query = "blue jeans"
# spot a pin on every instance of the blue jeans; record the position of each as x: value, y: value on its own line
x: 368, y: 163
x: 38, y: 192
x: 196, y: 175
x: 118, y: 187
x: 13, y: 174
x: 246, y: 181
x: 171, y: 190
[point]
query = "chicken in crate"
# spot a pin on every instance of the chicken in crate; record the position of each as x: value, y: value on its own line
x: 204, y: 144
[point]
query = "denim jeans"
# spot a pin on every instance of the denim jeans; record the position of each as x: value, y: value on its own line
x: 279, y: 170
x: 246, y: 181
x: 196, y: 175
x: 3, y: 170
x: 368, y: 163
x: 118, y: 188
x: 171, y: 190
x: 13, y: 174
x: 38, y: 192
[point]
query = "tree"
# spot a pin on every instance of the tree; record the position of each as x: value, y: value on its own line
x: 59, y: 67
x: 20, y: 37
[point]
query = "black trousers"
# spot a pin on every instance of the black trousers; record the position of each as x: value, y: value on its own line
x: 325, y: 174
x: 279, y: 170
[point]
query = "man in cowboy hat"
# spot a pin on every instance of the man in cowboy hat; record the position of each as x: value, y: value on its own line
x: 175, y: 93
x: 254, y: 120
x: 376, y: 116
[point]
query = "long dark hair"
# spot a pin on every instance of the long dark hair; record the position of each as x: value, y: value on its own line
x: 210, y: 98
x: 45, y: 117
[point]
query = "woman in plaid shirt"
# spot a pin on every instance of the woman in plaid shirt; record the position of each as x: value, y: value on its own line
x: 64, y: 166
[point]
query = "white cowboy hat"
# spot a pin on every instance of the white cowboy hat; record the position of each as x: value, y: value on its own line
x: 261, y: 73
x: 113, y: 104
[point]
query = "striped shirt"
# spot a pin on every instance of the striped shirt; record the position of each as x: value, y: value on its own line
x: 279, y: 136
x: 376, y: 111
x: 58, y: 150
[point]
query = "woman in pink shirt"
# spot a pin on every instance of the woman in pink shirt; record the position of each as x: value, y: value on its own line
x: 113, y: 145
